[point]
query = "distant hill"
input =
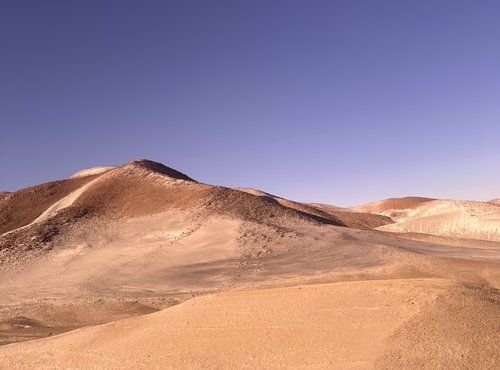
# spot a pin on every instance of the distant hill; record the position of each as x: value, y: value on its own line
x: 391, y: 204
x: 454, y: 218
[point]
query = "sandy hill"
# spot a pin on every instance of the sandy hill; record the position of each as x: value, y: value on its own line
x: 34, y: 220
x: 357, y: 220
x: 144, y: 187
x: 495, y: 201
x: 391, y: 204
x: 465, y: 219
x: 140, y: 238
x: 451, y: 218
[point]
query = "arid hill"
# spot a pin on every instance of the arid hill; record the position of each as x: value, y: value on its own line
x: 391, y: 204
x: 450, y: 218
x: 464, y: 219
x: 234, y: 277
x: 357, y: 220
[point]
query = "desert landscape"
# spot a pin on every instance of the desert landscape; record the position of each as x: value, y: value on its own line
x: 141, y: 266
x: 249, y: 184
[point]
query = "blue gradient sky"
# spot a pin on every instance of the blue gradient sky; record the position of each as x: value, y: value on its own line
x: 331, y: 101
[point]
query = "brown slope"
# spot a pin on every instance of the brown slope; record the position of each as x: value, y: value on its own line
x: 139, y: 189
x: 356, y: 220
x: 157, y: 167
x: 339, y: 216
x: 301, y: 207
x: 403, y: 203
x: 326, y: 207
x: 144, y: 187
x: 22, y: 207
x: 361, y: 220
x: 136, y: 189
x: 392, y: 203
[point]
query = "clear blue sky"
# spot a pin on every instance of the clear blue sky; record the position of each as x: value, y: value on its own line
x: 331, y: 101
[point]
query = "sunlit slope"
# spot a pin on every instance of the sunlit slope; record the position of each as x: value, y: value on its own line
x: 464, y: 219
x: 368, y: 324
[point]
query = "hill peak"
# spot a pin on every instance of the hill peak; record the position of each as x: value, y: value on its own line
x: 146, y: 164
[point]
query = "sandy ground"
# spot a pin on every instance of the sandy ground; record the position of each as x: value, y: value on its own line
x: 343, y: 325
x: 141, y: 265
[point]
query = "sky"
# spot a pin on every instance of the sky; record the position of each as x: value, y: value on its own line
x: 341, y: 102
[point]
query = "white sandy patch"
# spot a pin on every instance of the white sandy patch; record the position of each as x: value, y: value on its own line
x: 465, y: 219
x: 64, y: 202
x: 57, y: 206
x: 91, y: 171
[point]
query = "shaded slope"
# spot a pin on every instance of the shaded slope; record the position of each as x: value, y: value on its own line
x: 22, y: 207
x: 326, y: 207
x: 301, y: 207
x: 357, y: 220
x: 145, y: 187
x: 343, y: 217
x: 157, y: 167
